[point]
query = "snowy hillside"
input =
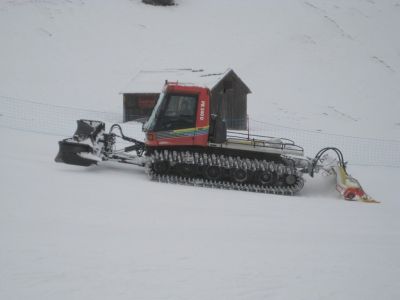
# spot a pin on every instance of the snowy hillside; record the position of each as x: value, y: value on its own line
x: 340, y: 60
x: 107, y: 232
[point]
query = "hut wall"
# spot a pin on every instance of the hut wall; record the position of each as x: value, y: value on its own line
x: 236, y: 110
x: 233, y: 102
x: 138, y: 106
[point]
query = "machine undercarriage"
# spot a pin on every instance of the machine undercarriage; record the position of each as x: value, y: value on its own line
x: 252, y: 163
x: 219, y: 171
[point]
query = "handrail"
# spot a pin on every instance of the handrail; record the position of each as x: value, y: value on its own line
x: 267, y: 144
x: 261, y: 136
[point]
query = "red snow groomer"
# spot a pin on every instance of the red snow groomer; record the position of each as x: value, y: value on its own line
x: 187, y: 144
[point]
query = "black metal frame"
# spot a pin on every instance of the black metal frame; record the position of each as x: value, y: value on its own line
x: 262, y: 141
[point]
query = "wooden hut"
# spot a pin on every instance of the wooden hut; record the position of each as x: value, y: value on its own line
x: 228, y: 93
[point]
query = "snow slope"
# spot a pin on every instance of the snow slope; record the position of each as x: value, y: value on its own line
x: 339, y: 60
x: 107, y: 232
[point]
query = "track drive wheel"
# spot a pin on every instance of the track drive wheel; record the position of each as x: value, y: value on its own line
x: 240, y: 175
x: 289, y: 179
x: 266, y: 178
x: 212, y: 172
x: 161, y: 167
x: 185, y: 170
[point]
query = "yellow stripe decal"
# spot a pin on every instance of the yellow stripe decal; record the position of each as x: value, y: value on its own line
x: 190, y: 129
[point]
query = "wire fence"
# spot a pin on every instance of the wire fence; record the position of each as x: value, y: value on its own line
x: 357, y: 150
x: 47, y: 118
x: 61, y: 120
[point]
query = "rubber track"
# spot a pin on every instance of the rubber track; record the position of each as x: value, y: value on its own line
x: 204, y: 159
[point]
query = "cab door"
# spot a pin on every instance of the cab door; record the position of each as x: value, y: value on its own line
x: 176, y: 124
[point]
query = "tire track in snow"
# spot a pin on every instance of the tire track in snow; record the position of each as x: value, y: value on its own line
x: 315, y: 7
x: 383, y: 63
x: 331, y: 20
x: 338, y: 27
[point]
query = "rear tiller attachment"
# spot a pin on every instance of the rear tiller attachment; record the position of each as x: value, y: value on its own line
x: 349, y: 187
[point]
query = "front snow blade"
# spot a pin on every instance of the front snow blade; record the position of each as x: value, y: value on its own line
x: 70, y: 153
x: 78, y: 150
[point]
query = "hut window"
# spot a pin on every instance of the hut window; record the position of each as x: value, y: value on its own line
x: 146, y: 102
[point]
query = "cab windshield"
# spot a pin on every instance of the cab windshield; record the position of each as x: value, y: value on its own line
x: 149, y: 125
x: 173, y: 112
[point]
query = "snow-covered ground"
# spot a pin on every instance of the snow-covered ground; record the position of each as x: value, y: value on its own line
x: 107, y: 232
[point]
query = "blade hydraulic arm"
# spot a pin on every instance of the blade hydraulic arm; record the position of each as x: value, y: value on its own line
x: 90, y: 144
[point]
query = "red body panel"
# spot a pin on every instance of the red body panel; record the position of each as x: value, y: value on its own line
x: 203, y: 118
x: 198, y: 135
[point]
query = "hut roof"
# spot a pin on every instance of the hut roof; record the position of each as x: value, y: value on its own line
x: 152, y: 81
